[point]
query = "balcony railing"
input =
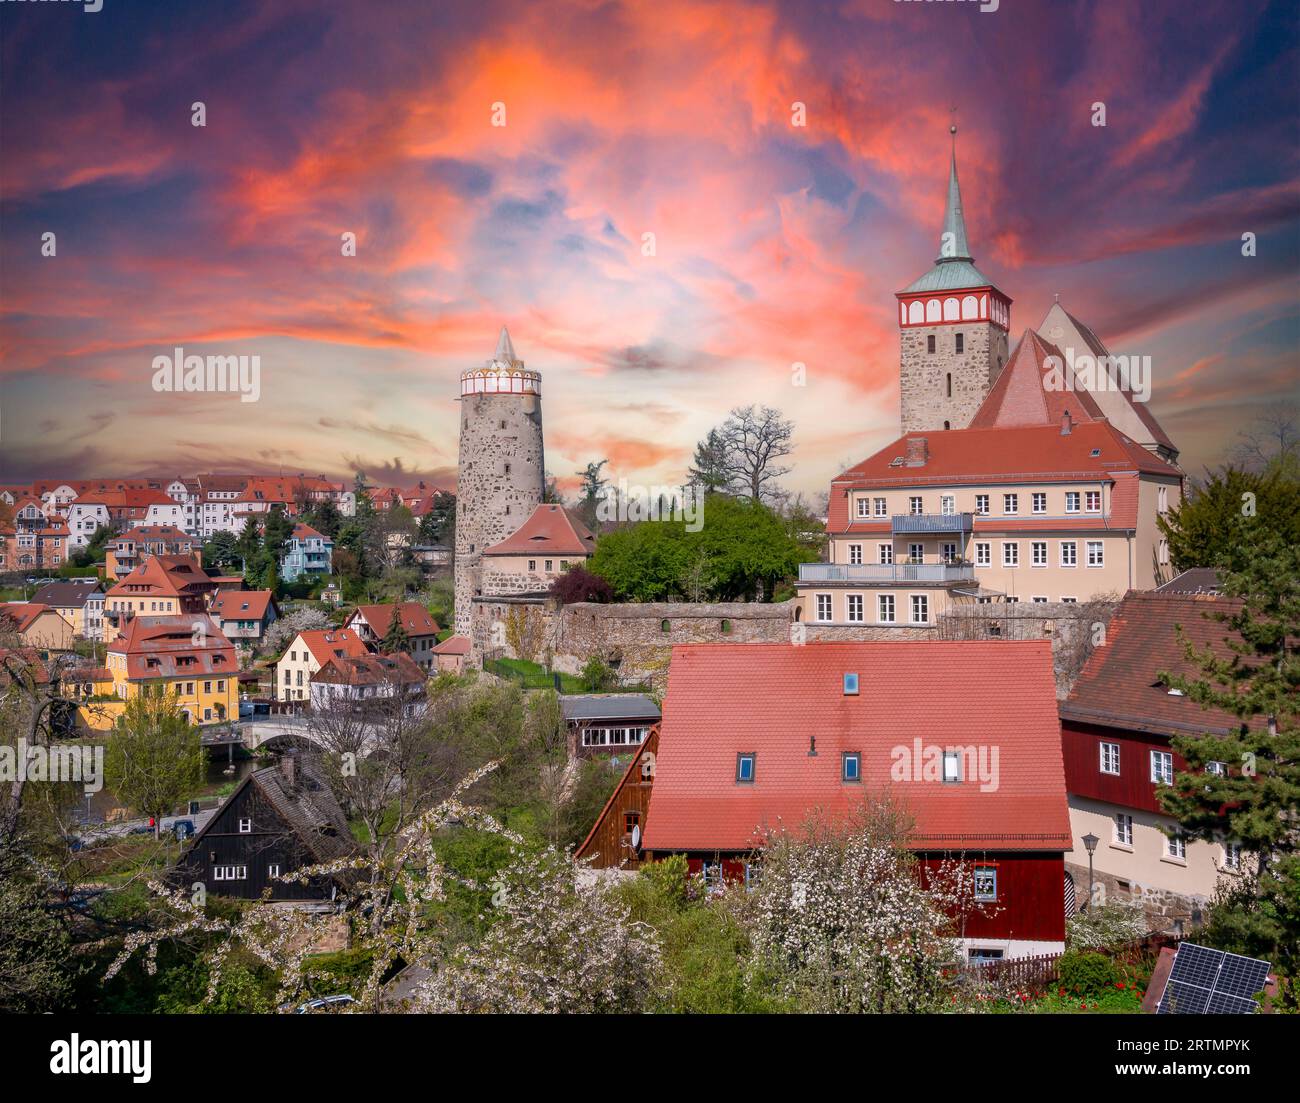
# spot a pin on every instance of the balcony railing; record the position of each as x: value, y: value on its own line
x: 932, y: 522
x: 886, y: 572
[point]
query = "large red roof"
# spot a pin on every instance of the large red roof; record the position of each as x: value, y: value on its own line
x: 164, y: 575
x: 1118, y: 685
x: 415, y: 618
x: 241, y: 604
x: 769, y: 699
x: 549, y: 531
x: 330, y: 643
x: 170, y: 647
x: 1021, y: 395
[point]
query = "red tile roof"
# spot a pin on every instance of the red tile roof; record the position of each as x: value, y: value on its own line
x: 1025, y: 454
x: 169, y: 647
x: 549, y: 531
x: 1020, y: 395
x: 453, y: 645
x: 166, y: 575
x: 768, y: 699
x: 370, y: 670
x: 241, y: 604
x: 1118, y: 687
x: 415, y: 618
x: 22, y: 614
x: 303, y: 531
x: 330, y: 643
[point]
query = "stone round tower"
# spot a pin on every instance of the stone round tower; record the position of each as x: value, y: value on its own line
x: 501, y: 475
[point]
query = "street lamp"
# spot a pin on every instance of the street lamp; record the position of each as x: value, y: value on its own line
x: 1090, y: 844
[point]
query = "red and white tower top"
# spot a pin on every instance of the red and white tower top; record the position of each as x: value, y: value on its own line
x: 503, y: 374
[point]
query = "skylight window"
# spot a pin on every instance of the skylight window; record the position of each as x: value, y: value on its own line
x: 745, y: 769
x: 850, y: 685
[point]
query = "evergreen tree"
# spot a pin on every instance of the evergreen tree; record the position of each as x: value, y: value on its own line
x: 708, y: 470
x: 1256, y: 802
x: 395, y: 639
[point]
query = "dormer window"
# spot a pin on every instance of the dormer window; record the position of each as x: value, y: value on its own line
x: 852, y: 767
x: 745, y: 769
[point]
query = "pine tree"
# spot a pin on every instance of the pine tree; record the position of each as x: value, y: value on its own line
x: 395, y: 639
x: 1257, y: 800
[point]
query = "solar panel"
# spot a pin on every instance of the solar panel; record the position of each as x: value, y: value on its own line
x: 1241, y: 976
x: 1204, y: 980
x: 1181, y: 998
x: 1223, y: 1004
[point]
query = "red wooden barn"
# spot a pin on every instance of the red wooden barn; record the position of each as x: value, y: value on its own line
x: 962, y: 734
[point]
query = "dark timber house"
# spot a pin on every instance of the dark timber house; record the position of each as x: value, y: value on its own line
x: 278, y: 820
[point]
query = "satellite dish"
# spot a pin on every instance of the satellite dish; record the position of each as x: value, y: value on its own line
x: 636, y: 837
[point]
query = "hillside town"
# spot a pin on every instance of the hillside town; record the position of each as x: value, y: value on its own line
x: 1003, y: 684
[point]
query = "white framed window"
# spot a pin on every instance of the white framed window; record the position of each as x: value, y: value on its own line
x: 1219, y: 768
x: 1232, y: 855
x: 983, y: 555
x: 982, y: 504
x: 1110, y: 758
x: 948, y: 552
x: 1069, y: 600
x: 1162, y: 551
x: 915, y: 553
x: 1162, y: 767
x: 855, y: 608
x: 1041, y: 600
x: 920, y: 609
x: 915, y: 505
x: 1038, y: 553
x: 230, y: 873
x: 886, y: 553
x: 855, y: 554
x: 947, y: 505
x: 986, y: 883
x: 1092, y: 501
x: 864, y: 507
x: 851, y: 766
x: 745, y: 768
x: 824, y: 607
x: 1162, y: 499
x: 1123, y: 829
x: 1071, y: 501
x: 1039, y: 502
x: 1010, y: 554
x: 885, y: 607
x: 273, y: 871
x: 245, y: 827
x: 1176, y: 846
x: 882, y: 507
x: 1096, y: 553
x: 1069, y: 553
x: 1010, y: 503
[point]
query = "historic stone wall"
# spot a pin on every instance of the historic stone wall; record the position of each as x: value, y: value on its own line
x: 1163, y: 908
x: 923, y: 390
x: 500, y: 480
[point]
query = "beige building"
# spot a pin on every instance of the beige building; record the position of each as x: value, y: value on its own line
x: 1042, y: 513
x: 307, y: 653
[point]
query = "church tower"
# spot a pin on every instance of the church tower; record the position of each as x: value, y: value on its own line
x: 953, y: 325
x: 501, y: 474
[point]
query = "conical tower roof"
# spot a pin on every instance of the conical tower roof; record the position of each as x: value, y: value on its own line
x: 505, y: 352
x: 952, y: 241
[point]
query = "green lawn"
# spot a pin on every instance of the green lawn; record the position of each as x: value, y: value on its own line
x: 531, y: 675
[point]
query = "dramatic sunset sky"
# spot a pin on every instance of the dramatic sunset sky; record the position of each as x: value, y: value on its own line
x: 775, y: 243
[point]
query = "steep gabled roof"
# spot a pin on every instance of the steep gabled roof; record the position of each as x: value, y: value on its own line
x: 169, y: 575
x: 416, y: 619
x: 1118, y: 685
x: 770, y: 700
x: 328, y: 643
x: 371, y: 670
x: 1024, y: 393
x: 549, y: 530
x: 66, y: 595
x: 242, y: 604
x: 23, y: 614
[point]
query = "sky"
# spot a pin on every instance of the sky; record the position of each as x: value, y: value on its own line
x: 774, y: 243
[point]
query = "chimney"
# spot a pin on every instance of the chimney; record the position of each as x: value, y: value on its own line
x: 289, y: 769
x: 1066, y: 424
x: 918, y: 452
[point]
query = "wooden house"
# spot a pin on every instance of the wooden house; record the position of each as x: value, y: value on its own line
x: 615, y: 839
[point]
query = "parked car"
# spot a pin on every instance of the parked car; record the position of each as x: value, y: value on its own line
x: 325, y: 1003
x: 183, y: 829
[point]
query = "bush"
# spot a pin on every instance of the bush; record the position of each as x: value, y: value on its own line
x: 596, y: 676
x: 1086, y: 972
x: 1107, y: 927
x: 579, y: 584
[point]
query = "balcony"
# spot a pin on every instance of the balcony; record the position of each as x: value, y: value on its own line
x: 884, y: 573
x: 903, y: 524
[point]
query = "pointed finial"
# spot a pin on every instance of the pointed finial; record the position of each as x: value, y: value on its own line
x: 505, y: 350
x: 1058, y: 296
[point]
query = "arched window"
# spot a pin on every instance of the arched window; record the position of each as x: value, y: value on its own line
x: 947, y: 425
x: 951, y: 308
x: 969, y: 307
x: 665, y: 626
x: 916, y: 312
x: 932, y: 310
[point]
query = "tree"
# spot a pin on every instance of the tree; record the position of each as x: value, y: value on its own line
x: 1271, y: 438
x: 34, y: 945
x: 286, y: 629
x: 276, y: 532
x: 1255, y: 799
x: 221, y: 548
x: 1202, y: 527
x: 438, y: 526
x: 845, y: 920
x: 579, y: 584
x: 154, y: 758
x: 753, y: 442
x: 561, y: 946
x: 591, y: 493
x: 325, y: 517
x: 395, y: 639
x: 708, y: 471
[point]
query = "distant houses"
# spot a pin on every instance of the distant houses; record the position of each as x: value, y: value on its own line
x: 361, y: 682
x: 307, y: 653
x: 608, y: 723
x: 127, y: 551
x: 374, y: 622
x: 307, y: 553
x: 185, y: 659
x: 78, y: 601
x: 245, y: 616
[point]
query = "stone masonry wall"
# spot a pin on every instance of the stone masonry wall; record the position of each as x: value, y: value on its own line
x: 923, y: 392
x: 500, y: 481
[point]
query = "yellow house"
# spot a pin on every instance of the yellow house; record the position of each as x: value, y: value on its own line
x: 165, y: 585
x: 92, y: 688
x: 183, y: 657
